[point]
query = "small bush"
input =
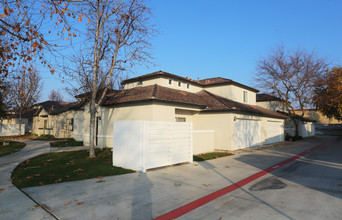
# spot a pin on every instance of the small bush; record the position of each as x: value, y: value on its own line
x: 47, y: 137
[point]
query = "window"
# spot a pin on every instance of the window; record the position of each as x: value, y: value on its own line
x: 170, y: 81
x: 179, y: 84
x: 245, y: 96
x: 72, y: 124
x: 180, y: 119
x: 139, y: 83
x: 188, y: 86
x: 45, y: 124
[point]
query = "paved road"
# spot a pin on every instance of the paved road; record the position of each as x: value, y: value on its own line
x: 309, y: 188
x: 305, y: 189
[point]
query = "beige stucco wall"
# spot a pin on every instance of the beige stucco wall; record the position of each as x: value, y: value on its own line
x: 148, y: 112
x: 319, y: 117
x: 221, y: 123
x: 61, y: 124
x: 234, y: 93
x: 57, y: 125
x: 272, y: 105
x: 224, y: 126
x: 38, y: 124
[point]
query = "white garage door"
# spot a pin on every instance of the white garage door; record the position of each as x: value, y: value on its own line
x: 247, y: 133
x: 274, y: 132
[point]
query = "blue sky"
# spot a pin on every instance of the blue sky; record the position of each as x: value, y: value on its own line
x: 226, y: 38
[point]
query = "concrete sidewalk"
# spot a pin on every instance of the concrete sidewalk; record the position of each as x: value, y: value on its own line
x: 146, y: 196
x: 13, y: 203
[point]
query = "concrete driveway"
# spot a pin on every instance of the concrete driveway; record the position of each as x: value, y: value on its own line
x: 147, y: 196
x: 13, y: 203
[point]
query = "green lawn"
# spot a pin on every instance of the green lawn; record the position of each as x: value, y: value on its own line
x: 13, y: 147
x: 209, y: 156
x: 65, y: 167
x: 66, y: 143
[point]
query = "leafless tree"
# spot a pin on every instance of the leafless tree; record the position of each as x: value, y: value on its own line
x: 3, y: 91
x: 55, y: 95
x: 80, y: 75
x: 27, y: 90
x: 118, y: 38
x: 291, y: 76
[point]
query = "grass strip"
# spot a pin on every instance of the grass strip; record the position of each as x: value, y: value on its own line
x: 66, y: 143
x: 12, y: 147
x: 210, y: 156
x: 65, y: 167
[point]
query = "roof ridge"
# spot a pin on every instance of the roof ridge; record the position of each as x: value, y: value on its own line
x: 216, y: 97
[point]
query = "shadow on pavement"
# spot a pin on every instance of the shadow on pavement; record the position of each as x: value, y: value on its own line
x: 323, y: 164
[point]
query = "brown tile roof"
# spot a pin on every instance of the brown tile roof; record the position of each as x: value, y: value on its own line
x: 203, y: 100
x: 263, y: 97
x: 202, y: 83
x: 68, y: 107
x: 240, y: 107
x: 153, y: 92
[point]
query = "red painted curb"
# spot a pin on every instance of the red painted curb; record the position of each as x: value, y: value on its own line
x: 208, y: 198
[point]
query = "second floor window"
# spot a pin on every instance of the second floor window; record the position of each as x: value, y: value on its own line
x: 245, y: 96
x: 139, y: 83
x: 179, y: 84
x: 170, y: 81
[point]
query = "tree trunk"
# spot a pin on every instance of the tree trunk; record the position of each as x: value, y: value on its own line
x: 296, y: 127
x: 92, y: 129
x: 20, y: 122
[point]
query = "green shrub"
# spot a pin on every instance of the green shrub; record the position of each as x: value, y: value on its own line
x: 47, y: 137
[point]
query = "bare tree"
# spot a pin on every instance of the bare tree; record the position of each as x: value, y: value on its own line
x: 27, y: 90
x: 80, y: 76
x: 2, y: 99
x: 55, y: 95
x: 118, y: 37
x: 291, y: 76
